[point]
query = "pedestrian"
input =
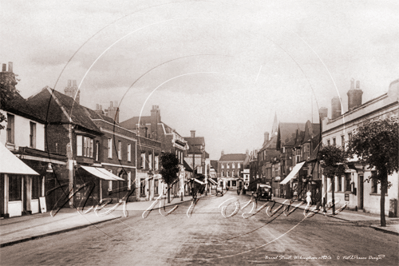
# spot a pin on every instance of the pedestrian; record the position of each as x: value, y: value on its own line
x: 309, y: 197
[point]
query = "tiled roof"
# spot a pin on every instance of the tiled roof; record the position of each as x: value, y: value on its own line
x: 233, y: 157
x: 18, y: 105
x: 131, y: 123
x: 46, y: 105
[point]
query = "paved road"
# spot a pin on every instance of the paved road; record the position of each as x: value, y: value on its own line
x: 207, y: 238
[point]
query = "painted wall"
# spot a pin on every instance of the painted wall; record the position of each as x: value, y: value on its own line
x: 22, y: 131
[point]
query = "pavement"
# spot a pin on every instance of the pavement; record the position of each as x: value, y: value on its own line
x: 358, y: 217
x: 24, y: 228
x: 28, y: 227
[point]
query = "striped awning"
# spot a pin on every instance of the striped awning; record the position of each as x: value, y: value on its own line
x: 102, y: 173
x: 11, y: 164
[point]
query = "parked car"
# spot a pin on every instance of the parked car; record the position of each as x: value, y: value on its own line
x: 264, y: 192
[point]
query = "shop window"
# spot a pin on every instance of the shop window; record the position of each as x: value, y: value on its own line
x: 15, y: 187
x: 348, y: 182
x: 36, y: 187
x: 233, y: 183
x: 328, y: 142
x: 334, y: 141
x: 10, y: 129
x: 228, y: 183
x: 32, y: 135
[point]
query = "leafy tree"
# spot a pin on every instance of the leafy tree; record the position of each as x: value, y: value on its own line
x: 169, y: 169
x: 376, y: 145
x: 332, y: 159
x: 7, y: 93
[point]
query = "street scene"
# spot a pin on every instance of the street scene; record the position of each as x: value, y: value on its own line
x: 199, y: 133
x: 206, y: 237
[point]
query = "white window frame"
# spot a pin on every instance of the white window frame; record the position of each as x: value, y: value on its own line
x: 110, y: 148
x: 143, y: 160
x: 129, y: 152
x: 97, y: 150
x: 79, y: 145
x: 129, y: 180
x: 150, y: 161
x: 119, y: 150
x: 156, y: 163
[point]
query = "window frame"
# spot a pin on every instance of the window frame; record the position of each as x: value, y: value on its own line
x: 109, y: 148
x: 32, y: 134
x: 10, y: 128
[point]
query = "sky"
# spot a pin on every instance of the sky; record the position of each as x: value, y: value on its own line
x: 221, y: 68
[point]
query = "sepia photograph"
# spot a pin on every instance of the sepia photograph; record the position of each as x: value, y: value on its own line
x: 199, y: 132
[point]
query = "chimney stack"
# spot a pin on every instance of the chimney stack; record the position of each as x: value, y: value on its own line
x: 323, y: 112
x: 354, y: 96
x: 192, y: 133
x: 222, y: 152
x: 335, y: 108
x: 72, y: 90
x: 8, y: 77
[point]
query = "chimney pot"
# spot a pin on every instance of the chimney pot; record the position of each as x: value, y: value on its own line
x: 358, y: 84
x: 10, y: 67
x: 192, y: 133
x: 352, y: 84
x: 4, y: 68
x: 97, y: 106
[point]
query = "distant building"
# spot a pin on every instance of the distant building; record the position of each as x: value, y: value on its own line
x: 152, y: 128
x: 230, y: 169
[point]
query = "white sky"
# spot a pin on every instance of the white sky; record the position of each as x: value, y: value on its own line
x: 222, y: 68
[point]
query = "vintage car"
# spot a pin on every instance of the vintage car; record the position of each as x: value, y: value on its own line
x: 263, y: 191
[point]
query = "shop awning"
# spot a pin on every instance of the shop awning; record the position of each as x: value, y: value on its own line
x: 11, y: 164
x: 212, y: 181
x: 293, y: 173
x: 102, y: 173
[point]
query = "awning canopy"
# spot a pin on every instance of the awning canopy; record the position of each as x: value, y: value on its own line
x: 102, y: 173
x: 212, y: 181
x: 293, y: 173
x: 11, y: 164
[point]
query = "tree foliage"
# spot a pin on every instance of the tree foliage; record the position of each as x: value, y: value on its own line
x: 170, y: 167
x: 332, y: 159
x: 376, y: 145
